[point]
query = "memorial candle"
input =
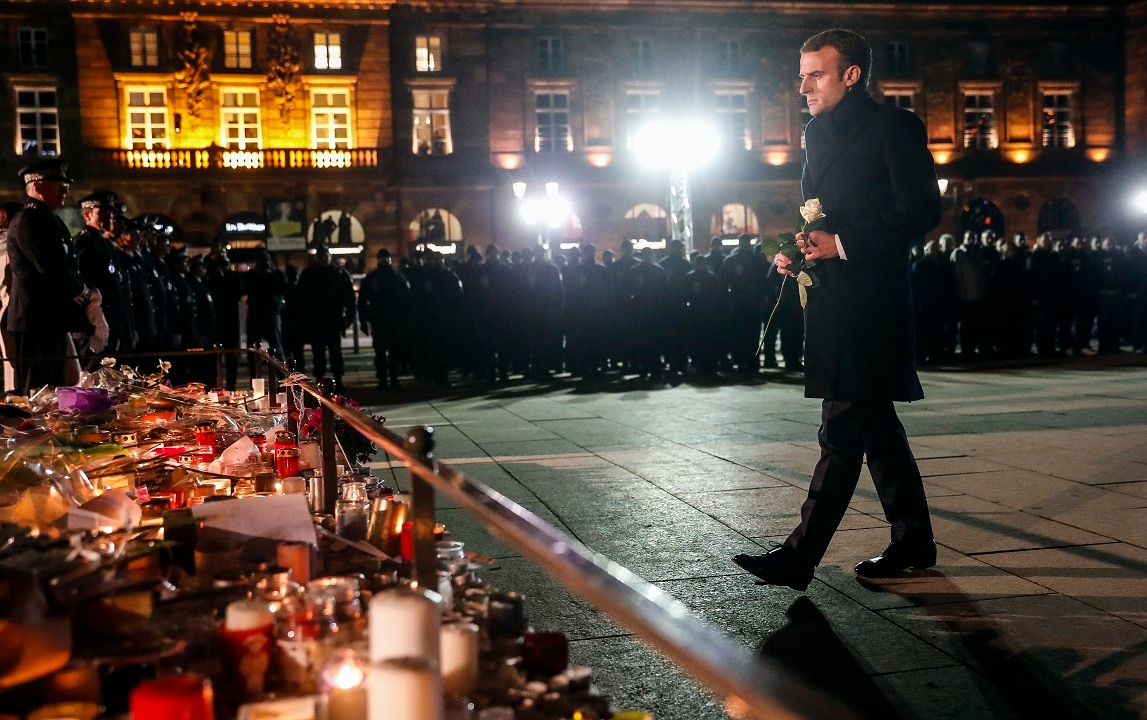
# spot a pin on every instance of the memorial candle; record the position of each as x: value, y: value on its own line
x: 405, y: 689
x: 185, y: 696
x: 459, y: 648
x: 345, y: 680
x: 404, y: 623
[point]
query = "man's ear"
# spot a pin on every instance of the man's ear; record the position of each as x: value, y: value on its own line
x: 852, y: 75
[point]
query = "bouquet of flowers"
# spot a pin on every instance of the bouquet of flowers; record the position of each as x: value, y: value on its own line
x: 357, y: 448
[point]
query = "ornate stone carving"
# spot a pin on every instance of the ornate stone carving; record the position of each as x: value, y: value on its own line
x: 194, y: 64
x: 284, y: 67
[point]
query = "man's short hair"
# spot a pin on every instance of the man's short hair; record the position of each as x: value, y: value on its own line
x: 853, y: 49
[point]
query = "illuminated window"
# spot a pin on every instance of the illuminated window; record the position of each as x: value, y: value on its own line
x: 979, y: 121
x: 241, y: 119
x: 552, y: 111
x: 641, y: 57
x: 900, y: 98
x: 328, y: 51
x: 806, y: 118
x: 432, y: 122
x: 427, y: 53
x: 144, y: 43
x: 147, y: 118
x: 641, y: 106
x: 1057, y: 129
x: 237, y: 49
x: 33, y: 47
x: 551, y: 56
x: 732, y: 110
x: 38, y: 118
x: 330, y: 118
x: 729, y: 57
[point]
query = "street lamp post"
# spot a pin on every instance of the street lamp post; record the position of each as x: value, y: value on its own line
x: 547, y: 212
x: 679, y: 147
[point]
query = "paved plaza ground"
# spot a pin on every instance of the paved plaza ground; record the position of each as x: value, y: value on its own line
x: 1037, y: 480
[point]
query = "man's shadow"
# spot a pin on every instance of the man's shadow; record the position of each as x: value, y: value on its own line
x: 808, y: 647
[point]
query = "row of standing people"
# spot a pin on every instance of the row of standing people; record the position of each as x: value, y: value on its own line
x: 119, y: 290
x: 492, y: 316
x: 988, y: 297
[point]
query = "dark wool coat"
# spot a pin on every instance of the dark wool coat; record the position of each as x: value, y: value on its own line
x: 870, y: 166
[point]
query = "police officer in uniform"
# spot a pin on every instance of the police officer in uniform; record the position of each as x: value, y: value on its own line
x: 102, y: 267
x: 49, y: 299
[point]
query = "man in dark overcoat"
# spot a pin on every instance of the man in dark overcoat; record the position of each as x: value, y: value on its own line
x: 870, y: 167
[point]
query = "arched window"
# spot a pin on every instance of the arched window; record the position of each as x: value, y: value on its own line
x: 733, y: 219
x: 645, y: 221
x: 435, y: 229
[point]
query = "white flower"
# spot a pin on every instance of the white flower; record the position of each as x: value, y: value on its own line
x: 108, y: 362
x: 812, y: 211
x: 164, y: 366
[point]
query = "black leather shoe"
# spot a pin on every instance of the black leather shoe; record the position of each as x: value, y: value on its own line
x: 777, y: 567
x: 898, y: 558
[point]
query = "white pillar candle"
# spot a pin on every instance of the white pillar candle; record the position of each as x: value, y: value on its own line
x: 258, y: 387
x: 405, y: 689
x: 310, y: 455
x: 459, y: 643
x: 247, y: 615
x: 404, y: 623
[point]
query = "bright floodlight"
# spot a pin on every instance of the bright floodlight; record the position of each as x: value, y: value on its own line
x: 1141, y: 201
x: 683, y: 145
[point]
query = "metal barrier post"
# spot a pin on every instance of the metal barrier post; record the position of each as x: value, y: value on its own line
x: 294, y: 414
x: 220, y: 375
x: 330, y: 480
x: 419, y: 442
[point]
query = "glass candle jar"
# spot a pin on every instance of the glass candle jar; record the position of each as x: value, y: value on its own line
x: 352, y: 511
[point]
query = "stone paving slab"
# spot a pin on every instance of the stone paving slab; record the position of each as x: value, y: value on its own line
x: 764, y: 512
x: 1111, y: 577
x: 1065, y: 658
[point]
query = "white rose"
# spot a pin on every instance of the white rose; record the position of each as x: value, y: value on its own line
x: 812, y: 210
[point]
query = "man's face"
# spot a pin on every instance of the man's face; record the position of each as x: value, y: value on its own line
x: 98, y: 217
x: 822, y: 83
x: 51, y: 192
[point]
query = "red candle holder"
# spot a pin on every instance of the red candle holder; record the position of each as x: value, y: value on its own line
x: 184, y: 697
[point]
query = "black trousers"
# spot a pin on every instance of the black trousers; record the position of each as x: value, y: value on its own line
x: 39, y: 359
x: 851, y: 431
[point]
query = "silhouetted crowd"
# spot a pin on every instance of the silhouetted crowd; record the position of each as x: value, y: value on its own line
x: 990, y: 297
x: 500, y: 314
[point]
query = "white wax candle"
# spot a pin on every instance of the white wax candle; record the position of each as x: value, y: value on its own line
x: 310, y: 455
x: 406, y: 689
x: 247, y: 615
x: 459, y: 642
x: 258, y: 387
x: 404, y: 623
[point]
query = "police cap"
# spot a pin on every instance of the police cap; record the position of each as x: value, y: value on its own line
x: 101, y: 199
x: 48, y: 169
